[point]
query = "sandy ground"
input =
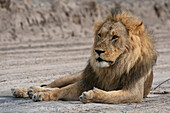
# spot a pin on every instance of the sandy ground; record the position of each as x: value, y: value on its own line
x: 37, y: 56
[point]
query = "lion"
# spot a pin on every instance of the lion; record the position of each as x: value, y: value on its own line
x: 119, y: 70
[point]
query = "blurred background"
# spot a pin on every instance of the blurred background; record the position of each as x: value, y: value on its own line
x: 47, y: 20
x: 42, y: 40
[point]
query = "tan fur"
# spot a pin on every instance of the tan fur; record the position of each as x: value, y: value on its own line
x: 120, y: 66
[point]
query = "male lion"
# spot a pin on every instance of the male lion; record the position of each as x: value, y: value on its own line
x: 120, y: 66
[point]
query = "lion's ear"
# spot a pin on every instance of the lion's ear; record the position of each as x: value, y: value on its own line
x: 98, y: 25
x: 133, y: 24
x: 140, y: 27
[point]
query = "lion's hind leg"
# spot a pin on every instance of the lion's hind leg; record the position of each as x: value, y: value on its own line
x: 148, y: 84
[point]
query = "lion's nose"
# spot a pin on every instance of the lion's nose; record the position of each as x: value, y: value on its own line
x: 99, y: 51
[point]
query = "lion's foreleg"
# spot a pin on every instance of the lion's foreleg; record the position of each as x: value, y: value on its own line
x: 29, y: 92
x: 64, y: 81
x: 135, y: 94
x: 53, y: 87
x: 72, y: 91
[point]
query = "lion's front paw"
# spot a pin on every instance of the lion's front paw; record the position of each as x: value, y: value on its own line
x: 36, y: 89
x: 91, y: 96
x: 19, y: 92
x: 41, y: 96
x: 44, y: 96
x: 37, y: 97
x: 86, y: 97
x: 32, y: 91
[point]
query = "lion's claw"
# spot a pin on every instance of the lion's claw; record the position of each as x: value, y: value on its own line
x: 30, y: 93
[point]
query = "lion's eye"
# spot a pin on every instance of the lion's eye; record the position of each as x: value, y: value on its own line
x: 99, y: 35
x: 115, y: 37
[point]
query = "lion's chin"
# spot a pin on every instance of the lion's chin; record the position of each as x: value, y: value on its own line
x: 102, y: 64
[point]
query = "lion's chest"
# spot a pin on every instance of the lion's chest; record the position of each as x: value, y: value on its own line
x: 107, y: 81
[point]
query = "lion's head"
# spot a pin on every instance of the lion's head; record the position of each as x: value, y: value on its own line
x: 120, y: 36
x: 109, y: 43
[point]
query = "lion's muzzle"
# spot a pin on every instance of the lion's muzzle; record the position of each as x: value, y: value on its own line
x: 101, y: 60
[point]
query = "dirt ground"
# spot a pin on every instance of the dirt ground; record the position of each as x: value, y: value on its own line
x: 42, y: 40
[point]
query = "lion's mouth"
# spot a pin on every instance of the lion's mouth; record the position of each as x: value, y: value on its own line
x: 101, y: 60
